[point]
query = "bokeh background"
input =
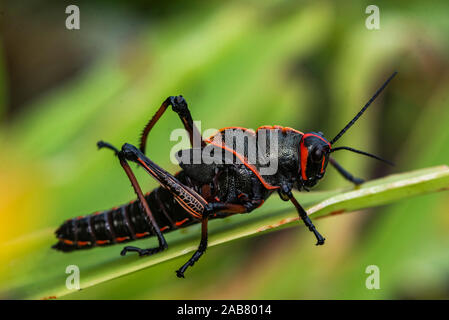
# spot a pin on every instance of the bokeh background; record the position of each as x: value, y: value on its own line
x: 309, y: 65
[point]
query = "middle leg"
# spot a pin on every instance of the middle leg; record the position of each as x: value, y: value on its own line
x: 211, y: 208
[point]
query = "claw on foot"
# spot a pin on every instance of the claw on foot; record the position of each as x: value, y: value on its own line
x: 320, y: 241
x: 180, y: 274
x: 102, y: 144
x: 141, y: 252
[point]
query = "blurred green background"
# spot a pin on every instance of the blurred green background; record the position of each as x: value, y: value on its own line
x: 310, y: 65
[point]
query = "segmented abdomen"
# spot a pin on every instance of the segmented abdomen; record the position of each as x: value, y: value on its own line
x: 122, y: 224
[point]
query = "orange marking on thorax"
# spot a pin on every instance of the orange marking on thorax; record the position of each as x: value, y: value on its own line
x: 239, y: 128
x: 243, y: 159
x: 266, y: 127
x: 69, y: 242
x: 249, y: 166
x: 285, y: 129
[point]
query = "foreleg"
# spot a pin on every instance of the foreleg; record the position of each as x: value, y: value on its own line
x: 286, y: 193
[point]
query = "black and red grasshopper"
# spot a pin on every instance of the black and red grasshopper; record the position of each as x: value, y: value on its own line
x: 200, y: 192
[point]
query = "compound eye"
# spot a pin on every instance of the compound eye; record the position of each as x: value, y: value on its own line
x: 317, y: 155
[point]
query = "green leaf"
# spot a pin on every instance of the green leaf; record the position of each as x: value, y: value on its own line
x: 37, y: 272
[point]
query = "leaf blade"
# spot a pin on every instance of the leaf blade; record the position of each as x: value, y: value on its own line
x: 47, y: 277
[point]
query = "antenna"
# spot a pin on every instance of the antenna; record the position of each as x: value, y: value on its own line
x: 349, y: 125
x: 362, y: 152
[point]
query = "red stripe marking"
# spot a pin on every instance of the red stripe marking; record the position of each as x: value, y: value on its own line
x: 285, y: 129
x: 83, y: 243
x: 69, y: 242
x: 239, y: 128
x: 120, y: 239
x: 270, y: 127
x: 100, y: 242
x: 164, y: 228
x: 304, y: 155
x: 315, y: 135
x: 249, y: 166
x: 266, y: 127
x: 322, y: 165
x: 242, y: 159
x: 143, y: 234
x: 178, y: 223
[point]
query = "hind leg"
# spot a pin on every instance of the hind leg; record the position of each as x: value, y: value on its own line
x: 132, y: 178
x: 179, y: 105
x: 190, y: 200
